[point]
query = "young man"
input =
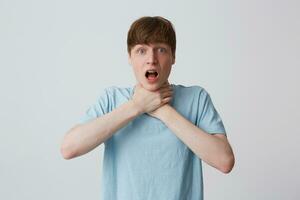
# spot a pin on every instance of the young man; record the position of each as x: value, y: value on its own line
x: 155, y: 134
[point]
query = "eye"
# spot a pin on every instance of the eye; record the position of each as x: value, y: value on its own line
x: 141, y: 51
x: 162, y: 50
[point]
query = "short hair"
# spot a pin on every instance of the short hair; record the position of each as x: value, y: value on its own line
x: 146, y: 30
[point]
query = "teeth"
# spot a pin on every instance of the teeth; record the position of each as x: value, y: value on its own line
x: 151, y: 71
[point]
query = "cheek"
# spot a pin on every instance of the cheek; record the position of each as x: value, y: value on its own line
x: 138, y: 66
x: 167, y: 73
x: 167, y: 65
x: 137, y: 71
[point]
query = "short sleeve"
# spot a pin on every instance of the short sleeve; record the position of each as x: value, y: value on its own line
x: 208, y: 118
x: 99, y: 108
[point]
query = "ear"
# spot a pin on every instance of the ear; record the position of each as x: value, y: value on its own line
x: 173, y: 60
x: 129, y: 59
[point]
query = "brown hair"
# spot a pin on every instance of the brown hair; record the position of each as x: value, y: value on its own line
x: 147, y: 30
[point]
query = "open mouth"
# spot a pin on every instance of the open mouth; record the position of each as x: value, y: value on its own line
x: 151, y: 74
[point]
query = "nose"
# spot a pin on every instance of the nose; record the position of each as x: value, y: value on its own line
x: 151, y: 59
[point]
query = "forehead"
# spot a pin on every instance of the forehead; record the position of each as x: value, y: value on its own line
x: 157, y: 44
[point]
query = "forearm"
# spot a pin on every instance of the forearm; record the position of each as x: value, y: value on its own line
x: 83, y: 138
x: 213, y: 150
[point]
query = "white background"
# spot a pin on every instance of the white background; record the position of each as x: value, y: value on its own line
x: 56, y: 56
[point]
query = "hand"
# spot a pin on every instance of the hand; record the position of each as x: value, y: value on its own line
x: 147, y: 101
x: 164, y: 109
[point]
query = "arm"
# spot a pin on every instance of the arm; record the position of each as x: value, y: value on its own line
x: 215, y: 150
x: 83, y: 138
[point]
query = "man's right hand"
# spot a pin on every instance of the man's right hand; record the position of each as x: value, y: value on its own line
x: 148, y: 101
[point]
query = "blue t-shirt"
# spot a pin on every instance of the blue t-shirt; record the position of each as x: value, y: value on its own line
x: 145, y: 160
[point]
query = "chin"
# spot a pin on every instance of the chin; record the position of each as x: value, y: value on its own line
x: 151, y: 87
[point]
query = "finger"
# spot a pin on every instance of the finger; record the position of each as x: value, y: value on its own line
x: 168, y: 89
x: 166, y: 84
x: 167, y: 94
x: 166, y: 100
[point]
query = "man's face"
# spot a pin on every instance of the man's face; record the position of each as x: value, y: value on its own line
x: 157, y: 57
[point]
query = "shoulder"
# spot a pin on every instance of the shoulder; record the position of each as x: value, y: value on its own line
x: 116, y: 94
x: 114, y: 90
x: 195, y: 90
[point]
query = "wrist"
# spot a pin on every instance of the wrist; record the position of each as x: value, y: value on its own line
x: 135, y: 107
x: 167, y: 112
